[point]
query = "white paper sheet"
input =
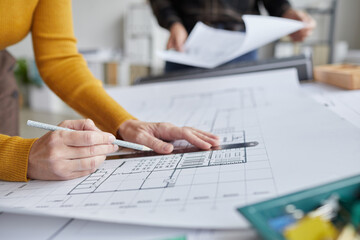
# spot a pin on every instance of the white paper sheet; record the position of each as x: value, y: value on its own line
x: 19, y: 226
x: 207, y: 47
x: 345, y: 103
x: 301, y: 144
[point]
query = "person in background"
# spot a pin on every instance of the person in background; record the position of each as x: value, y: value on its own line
x: 62, y: 155
x: 180, y: 17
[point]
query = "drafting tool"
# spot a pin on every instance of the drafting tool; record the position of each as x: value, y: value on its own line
x: 192, y: 149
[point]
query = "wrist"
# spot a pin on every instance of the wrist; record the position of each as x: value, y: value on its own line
x: 289, y: 13
x: 176, y: 25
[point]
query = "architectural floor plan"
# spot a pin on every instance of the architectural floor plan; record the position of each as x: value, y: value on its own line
x: 268, y: 147
x: 237, y: 173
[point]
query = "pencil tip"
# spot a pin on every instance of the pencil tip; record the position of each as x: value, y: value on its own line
x: 146, y: 148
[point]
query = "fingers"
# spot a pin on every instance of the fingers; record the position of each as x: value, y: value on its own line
x: 89, y: 151
x: 85, y: 138
x: 81, y: 124
x: 178, y: 36
x: 175, y: 43
x: 199, y: 138
x: 208, y: 134
x: 150, y: 134
x: 70, y: 169
x: 307, y: 19
x: 179, y: 45
x: 310, y: 24
x: 63, y: 155
x: 301, y: 35
x: 170, y: 43
x: 194, y: 138
x: 298, y: 36
x: 154, y: 143
x: 85, y: 164
x: 78, y: 174
x: 212, y: 141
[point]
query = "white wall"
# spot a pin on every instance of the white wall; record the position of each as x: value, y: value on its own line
x: 22, y: 49
x: 97, y: 23
x: 348, y: 21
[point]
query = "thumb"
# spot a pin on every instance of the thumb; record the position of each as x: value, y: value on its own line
x: 89, y: 125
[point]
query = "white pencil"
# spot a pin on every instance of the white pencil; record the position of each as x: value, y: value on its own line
x: 117, y: 142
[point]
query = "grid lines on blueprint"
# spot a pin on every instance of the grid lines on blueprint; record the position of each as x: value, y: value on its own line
x: 216, y: 179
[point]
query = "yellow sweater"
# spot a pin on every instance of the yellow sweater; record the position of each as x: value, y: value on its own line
x: 61, y: 67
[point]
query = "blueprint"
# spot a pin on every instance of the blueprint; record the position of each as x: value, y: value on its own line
x: 269, y: 146
x: 55, y: 228
x: 345, y: 103
x: 208, y: 47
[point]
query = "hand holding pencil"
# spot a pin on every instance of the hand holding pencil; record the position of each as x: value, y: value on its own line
x: 118, y: 142
x: 64, y: 155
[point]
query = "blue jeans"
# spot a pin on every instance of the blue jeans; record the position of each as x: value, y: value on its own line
x: 171, y: 67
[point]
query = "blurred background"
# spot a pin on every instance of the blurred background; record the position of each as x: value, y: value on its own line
x: 119, y: 40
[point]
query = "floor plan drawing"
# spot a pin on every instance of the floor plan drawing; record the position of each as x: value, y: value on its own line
x: 159, y: 172
x: 267, y: 146
x: 339, y: 101
x: 238, y: 172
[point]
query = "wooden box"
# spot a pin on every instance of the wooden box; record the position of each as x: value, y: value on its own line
x: 345, y: 76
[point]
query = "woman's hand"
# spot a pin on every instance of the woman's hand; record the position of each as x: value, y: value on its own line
x: 310, y: 24
x: 152, y: 134
x: 64, y: 155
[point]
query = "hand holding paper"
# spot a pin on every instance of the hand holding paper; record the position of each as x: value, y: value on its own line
x: 208, y: 47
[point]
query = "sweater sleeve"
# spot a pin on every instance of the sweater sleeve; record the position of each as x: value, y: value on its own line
x: 276, y: 7
x: 164, y: 13
x: 65, y: 71
x: 14, y: 152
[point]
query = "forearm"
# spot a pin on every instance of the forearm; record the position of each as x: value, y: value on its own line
x: 277, y: 7
x: 65, y: 70
x: 14, y: 153
x: 81, y: 91
x: 165, y: 13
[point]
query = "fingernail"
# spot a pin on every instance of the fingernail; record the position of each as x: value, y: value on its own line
x: 112, y: 138
x: 116, y: 147
x: 167, y: 148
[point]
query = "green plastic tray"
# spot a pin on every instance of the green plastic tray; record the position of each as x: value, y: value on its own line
x: 260, y: 213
